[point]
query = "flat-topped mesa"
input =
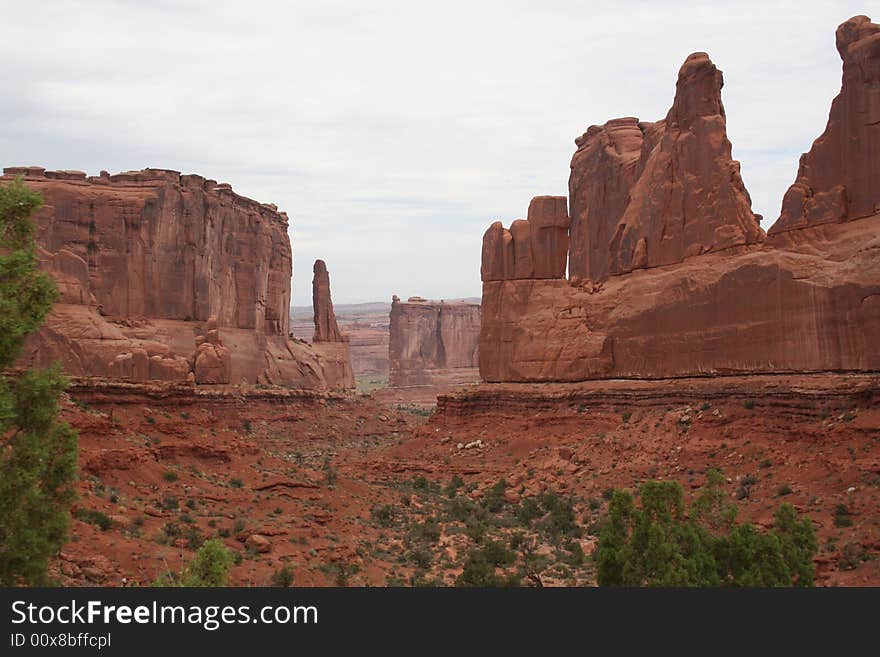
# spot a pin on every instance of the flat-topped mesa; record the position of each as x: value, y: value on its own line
x: 165, y: 276
x: 326, y: 328
x: 536, y: 247
x: 651, y: 194
x: 433, y: 342
x: 839, y: 178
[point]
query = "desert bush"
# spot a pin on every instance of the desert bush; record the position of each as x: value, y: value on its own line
x: 283, y: 577
x: 658, y: 544
x: 209, y: 568
x: 94, y: 517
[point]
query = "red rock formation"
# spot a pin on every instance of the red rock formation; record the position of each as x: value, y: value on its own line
x: 433, y: 342
x: 326, y: 328
x: 164, y: 276
x: 839, y: 179
x: 651, y: 194
x: 328, y: 341
x: 533, y: 248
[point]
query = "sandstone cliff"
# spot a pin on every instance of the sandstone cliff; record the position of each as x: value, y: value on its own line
x: 433, y: 342
x: 647, y: 199
x: 328, y: 341
x: 165, y: 276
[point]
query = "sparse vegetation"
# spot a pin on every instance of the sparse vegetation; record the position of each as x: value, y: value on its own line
x: 283, y: 577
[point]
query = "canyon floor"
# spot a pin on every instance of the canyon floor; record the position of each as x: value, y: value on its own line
x: 372, y: 490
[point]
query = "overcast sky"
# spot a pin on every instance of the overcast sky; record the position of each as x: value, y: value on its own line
x: 393, y: 133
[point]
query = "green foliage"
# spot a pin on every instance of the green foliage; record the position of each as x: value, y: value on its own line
x: 480, y: 567
x: 283, y: 577
x: 493, y: 500
x: 454, y: 484
x: 94, y: 517
x: 26, y: 294
x: 659, y: 544
x: 842, y: 516
x: 209, y: 568
x: 37, y: 453
x: 384, y: 515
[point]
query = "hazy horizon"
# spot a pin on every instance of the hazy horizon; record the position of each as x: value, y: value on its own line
x: 394, y: 134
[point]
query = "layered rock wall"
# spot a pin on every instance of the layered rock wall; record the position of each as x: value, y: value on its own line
x: 433, y: 342
x: 165, y: 276
x: 669, y: 272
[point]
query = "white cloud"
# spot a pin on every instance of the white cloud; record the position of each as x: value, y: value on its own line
x: 393, y: 134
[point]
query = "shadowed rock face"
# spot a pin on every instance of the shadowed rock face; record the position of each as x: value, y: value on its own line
x: 165, y: 276
x: 804, y: 299
x: 839, y: 179
x: 433, y: 342
x: 650, y: 194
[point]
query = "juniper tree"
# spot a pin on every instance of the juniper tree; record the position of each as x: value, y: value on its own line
x: 37, y: 452
x: 661, y: 544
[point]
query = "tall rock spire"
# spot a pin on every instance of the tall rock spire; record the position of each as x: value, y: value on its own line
x: 326, y: 328
x: 839, y: 178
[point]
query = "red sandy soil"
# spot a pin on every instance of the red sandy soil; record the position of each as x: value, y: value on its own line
x: 304, y: 471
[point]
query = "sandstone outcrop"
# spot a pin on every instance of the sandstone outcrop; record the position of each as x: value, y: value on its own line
x: 647, y: 199
x: 536, y: 247
x: 839, y: 178
x: 650, y: 194
x: 433, y: 342
x: 165, y: 276
x: 328, y: 341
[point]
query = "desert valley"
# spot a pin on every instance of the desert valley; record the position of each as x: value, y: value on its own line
x: 644, y: 327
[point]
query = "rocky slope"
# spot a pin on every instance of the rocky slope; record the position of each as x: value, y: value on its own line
x: 669, y: 273
x: 166, y: 276
x: 433, y: 342
x: 342, y: 490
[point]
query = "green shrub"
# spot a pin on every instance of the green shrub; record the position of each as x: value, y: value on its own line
x: 209, y: 568
x: 170, y: 476
x: 384, y: 515
x: 479, y: 570
x: 283, y: 577
x: 94, y: 517
x: 658, y: 545
x: 842, y: 517
x: 493, y: 500
x: 454, y: 484
x: 424, y: 532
